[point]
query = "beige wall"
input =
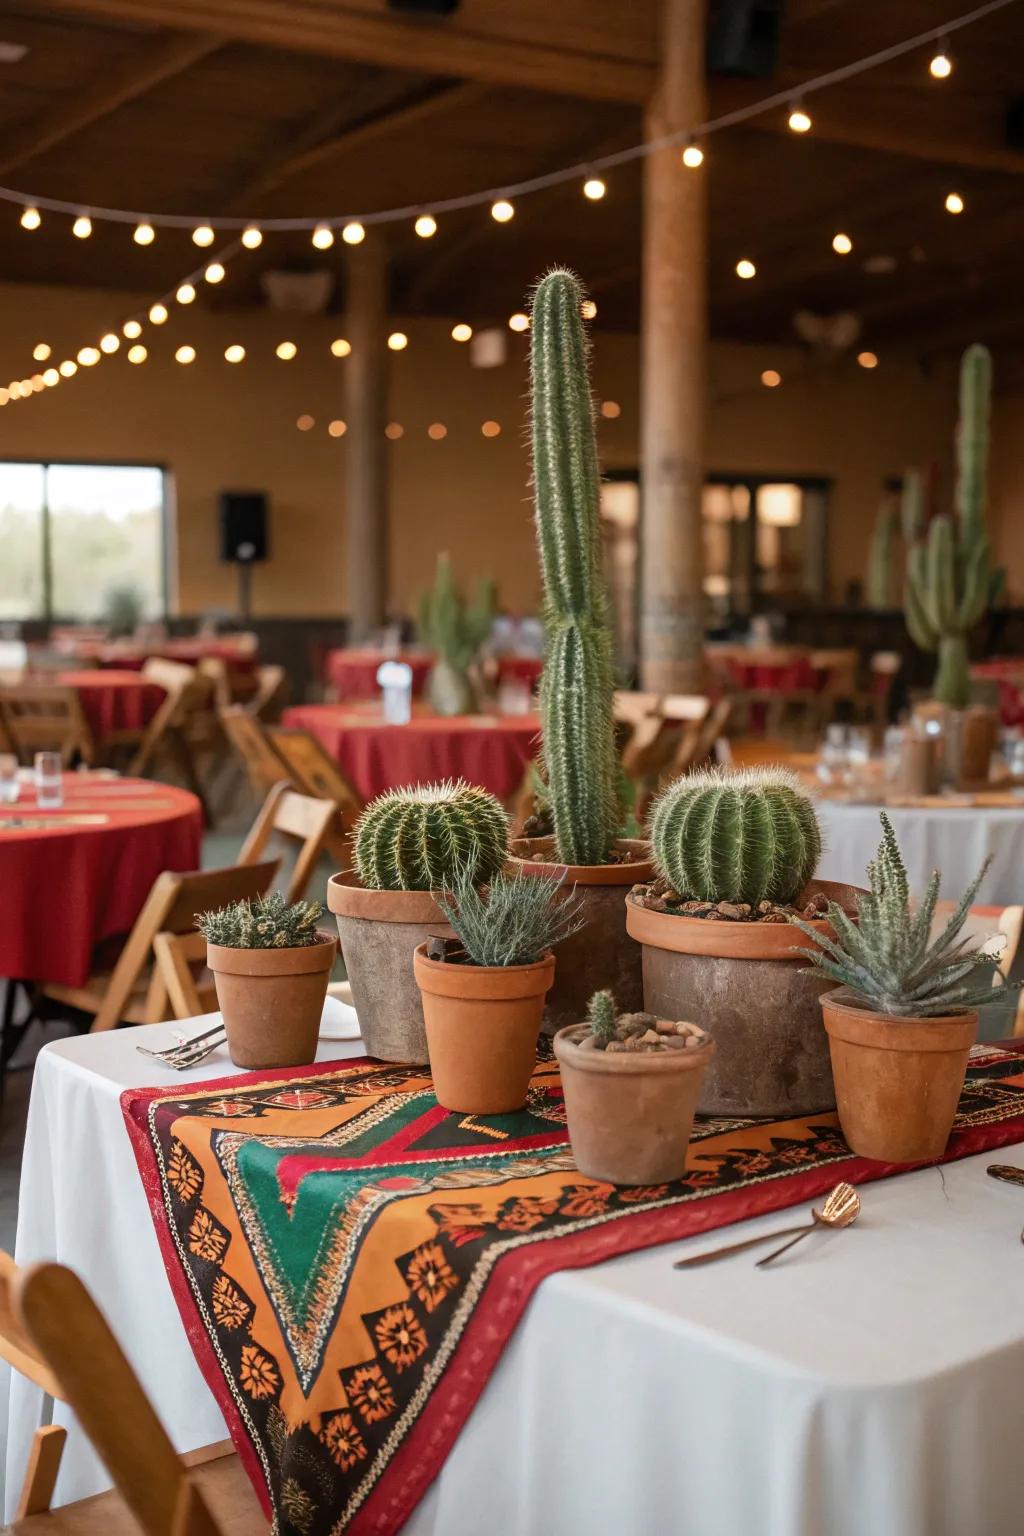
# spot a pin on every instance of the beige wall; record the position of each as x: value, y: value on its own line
x: 215, y: 426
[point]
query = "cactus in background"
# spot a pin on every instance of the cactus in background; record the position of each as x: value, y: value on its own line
x: 422, y: 839
x: 602, y: 1016
x: 951, y: 580
x: 455, y: 631
x: 577, y: 683
x: 880, y: 582
x: 912, y: 506
x: 747, y: 835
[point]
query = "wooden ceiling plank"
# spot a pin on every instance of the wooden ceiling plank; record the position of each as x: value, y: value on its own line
x: 159, y: 59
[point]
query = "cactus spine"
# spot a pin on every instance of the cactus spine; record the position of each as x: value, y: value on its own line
x: 577, y: 683
x: 426, y: 838
x: 750, y: 835
x: 951, y: 580
x: 880, y: 558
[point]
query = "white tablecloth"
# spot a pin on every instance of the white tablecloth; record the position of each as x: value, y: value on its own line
x: 954, y: 839
x: 870, y: 1385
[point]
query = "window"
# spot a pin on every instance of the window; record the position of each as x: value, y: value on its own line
x: 72, y: 533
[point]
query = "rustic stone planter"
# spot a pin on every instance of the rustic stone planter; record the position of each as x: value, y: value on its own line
x: 272, y: 1000
x: 600, y: 954
x: 898, y: 1080
x: 379, y: 931
x: 630, y: 1115
x: 746, y: 986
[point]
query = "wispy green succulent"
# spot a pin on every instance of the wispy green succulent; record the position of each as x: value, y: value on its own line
x: 515, y: 920
x: 268, y: 922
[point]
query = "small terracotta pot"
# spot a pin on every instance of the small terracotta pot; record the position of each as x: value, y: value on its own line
x: 898, y: 1080
x: 482, y: 1027
x: 379, y: 931
x: 272, y: 1000
x: 600, y: 954
x: 630, y: 1115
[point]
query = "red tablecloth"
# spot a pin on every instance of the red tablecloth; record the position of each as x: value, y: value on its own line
x: 352, y: 673
x: 67, y: 887
x: 114, y: 701
x: 1008, y: 672
x: 129, y: 657
x: 492, y: 750
x: 524, y: 669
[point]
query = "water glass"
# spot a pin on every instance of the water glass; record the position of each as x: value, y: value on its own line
x: 10, y: 784
x: 395, y: 681
x: 49, y: 771
x: 832, y: 758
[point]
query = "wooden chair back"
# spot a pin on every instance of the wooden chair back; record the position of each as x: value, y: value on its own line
x: 271, y: 692
x: 264, y: 766
x: 314, y: 771
x: 21, y: 1354
x: 184, y: 691
x: 300, y: 819
x: 838, y: 670
x: 998, y: 932
x: 178, y: 958
x: 46, y: 718
x: 698, y: 743
x: 630, y: 705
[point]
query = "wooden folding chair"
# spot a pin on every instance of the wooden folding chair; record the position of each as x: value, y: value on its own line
x: 171, y: 730
x: 134, y: 992
x: 52, y: 1332
x: 300, y: 819
x: 264, y: 767
x: 271, y: 693
x: 999, y: 931
x: 697, y: 743
x: 46, y: 718
x: 315, y: 772
x: 638, y: 724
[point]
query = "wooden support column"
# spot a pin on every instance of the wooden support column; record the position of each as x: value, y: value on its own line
x: 674, y: 365
x: 366, y: 382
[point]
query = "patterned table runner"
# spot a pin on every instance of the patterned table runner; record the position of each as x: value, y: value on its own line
x: 349, y: 1259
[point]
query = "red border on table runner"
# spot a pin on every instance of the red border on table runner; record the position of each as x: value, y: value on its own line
x: 513, y: 1280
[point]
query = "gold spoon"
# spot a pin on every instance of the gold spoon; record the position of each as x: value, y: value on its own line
x: 839, y: 1210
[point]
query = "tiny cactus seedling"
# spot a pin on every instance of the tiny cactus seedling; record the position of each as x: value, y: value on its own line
x: 602, y: 1016
x: 421, y: 839
x: 751, y: 835
x: 266, y: 923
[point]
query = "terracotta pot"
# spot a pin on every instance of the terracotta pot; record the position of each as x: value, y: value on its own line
x: 482, y: 1027
x: 977, y: 731
x: 272, y: 1000
x: 601, y: 954
x: 379, y: 931
x: 898, y: 1080
x: 630, y: 1115
x: 746, y: 986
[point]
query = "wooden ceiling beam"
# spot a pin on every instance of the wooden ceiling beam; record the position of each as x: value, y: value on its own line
x: 160, y: 58
x: 866, y: 131
x: 395, y: 42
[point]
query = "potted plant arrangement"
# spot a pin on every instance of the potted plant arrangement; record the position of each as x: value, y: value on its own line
x: 407, y: 845
x: 455, y: 631
x: 483, y: 997
x: 576, y: 690
x: 271, y: 965
x: 735, y: 853
x: 631, y: 1083
x: 903, y: 1019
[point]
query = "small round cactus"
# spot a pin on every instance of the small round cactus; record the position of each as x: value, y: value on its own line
x: 745, y: 835
x: 423, y: 838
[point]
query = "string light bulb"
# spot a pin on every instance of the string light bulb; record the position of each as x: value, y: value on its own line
x: 50, y: 377
x: 588, y: 309
x: 144, y: 234
x: 693, y: 155
x: 594, y: 189
x: 158, y: 314
x: 31, y: 218
x: 519, y: 321
x: 131, y: 329
x: 353, y: 233
x: 771, y: 378
x: 41, y: 351
x: 234, y: 353
x: 185, y: 354
x: 82, y: 227
x: 38, y: 383
x: 425, y: 226
x: 954, y: 202
x: 842, y: 244
x: 68, y: 369
x: 185, y: 294
x: 799, y: 119
x: 286, y: 350
x: 137, y: 354
x: 203, y: 235
x: 940, y: 65
x: 252, y: 237
x: 340, y: 347
x: 867, y: 359
x: 462, y: 332
x: 398, y: 341
x: 88, y: 356
x: 502, y: 210
x: 109, y: 343
x: 745, y: 269
x: 215, y: 272
x: 322, y: 237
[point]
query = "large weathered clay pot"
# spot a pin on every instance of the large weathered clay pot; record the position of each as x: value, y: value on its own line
x: 450, y: 690
x: 379, y: 931
x: 748, y: 986
x: 898, y: 1080
x: 630, y: 1115
x: 482, y: 1027
x: 272, y: 1000
x: 600, y: 954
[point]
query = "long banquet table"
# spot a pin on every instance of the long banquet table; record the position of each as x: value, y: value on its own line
x: 874, y: 1382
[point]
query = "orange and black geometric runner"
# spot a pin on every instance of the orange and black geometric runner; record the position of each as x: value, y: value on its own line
x: 349, y: 1259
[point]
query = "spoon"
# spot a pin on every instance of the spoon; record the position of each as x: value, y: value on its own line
x: 839, y: 1210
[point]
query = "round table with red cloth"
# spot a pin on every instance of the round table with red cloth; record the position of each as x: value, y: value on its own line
x: 521, y: 669
x: 67, y: 886
x: 114, y: 701
x: 352, y: 673
x: 1008, y: 672
x: 491, y: 750
x: 128, y: 656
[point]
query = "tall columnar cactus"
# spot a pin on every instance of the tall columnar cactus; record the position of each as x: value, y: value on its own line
x: 577, y: 683
x: 912, y: 506
x: 951, y: 580
x: 747, y: 835
x: 880, y: 557
x: 424, y: 839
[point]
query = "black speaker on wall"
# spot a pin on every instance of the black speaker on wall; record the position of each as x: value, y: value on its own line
x: 243, y: 526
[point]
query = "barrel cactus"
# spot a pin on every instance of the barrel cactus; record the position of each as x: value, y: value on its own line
x: 577, y: 683
x: 951, y: 580
x: 424, y: 838
x: 748, y: 835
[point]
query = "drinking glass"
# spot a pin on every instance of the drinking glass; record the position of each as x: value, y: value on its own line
x: 832, y: 758
x: 9, y: 783
x: 49, y: 781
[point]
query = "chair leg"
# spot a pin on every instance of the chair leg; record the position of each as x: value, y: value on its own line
x: 182, y: 754
x: 41, y: 1475
x: 11, y: 1034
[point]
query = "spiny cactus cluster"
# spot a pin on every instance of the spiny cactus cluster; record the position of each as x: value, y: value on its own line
x: 517, y: 920
x: 577, y: 683
x: 745, y: 835
x: 887, y: 957
x: 602, y: 1016
x: 420, y: 839
x: 453, y: 627
x: 268, y: 922
x: 951, y: 580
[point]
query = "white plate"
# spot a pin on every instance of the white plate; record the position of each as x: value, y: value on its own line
x: 338, y: 1021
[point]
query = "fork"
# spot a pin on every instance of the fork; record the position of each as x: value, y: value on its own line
x: 188, y: 1053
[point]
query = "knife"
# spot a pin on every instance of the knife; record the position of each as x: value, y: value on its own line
x: 1006, y: 1172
